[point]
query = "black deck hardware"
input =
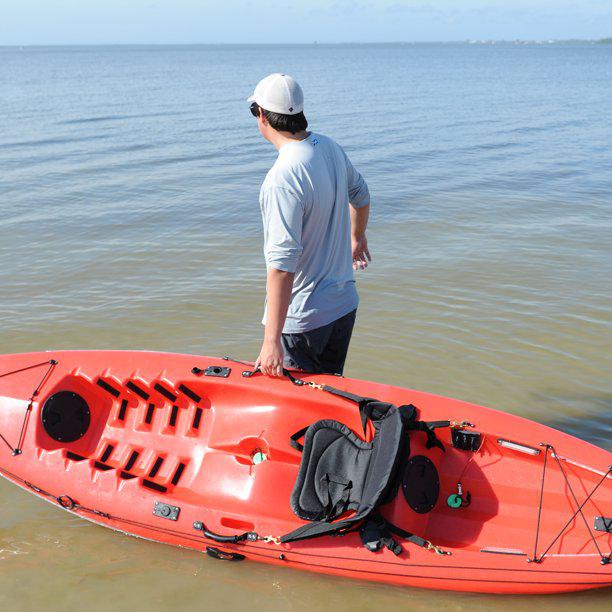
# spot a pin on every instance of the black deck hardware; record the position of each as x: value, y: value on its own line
x: 108, y: 388
x: 102, y: 466
x: 131, y: 461
x: 192, y: 395
x: 603, y: 524
x: 149, y: 415
x: 107, y: 453
x: 65, y: 416
x: 165, y: 392
x: 247, y: 536
x: 166, y: 511
x: 173, y: 416
x: 178, y: 473
x: 74, y: 456
x: 121, y: 415
x: 421, y: 484
x: 466, y: 440
x: 153, y: 485
x: 222, y: 555
x: 220, y: 371
x: 137, y: 390
x: 197, y: 418
x: 156, y: 466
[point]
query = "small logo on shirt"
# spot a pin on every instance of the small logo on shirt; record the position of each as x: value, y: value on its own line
x: 314, y: 142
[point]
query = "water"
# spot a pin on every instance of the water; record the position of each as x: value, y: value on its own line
x: 129, y: 219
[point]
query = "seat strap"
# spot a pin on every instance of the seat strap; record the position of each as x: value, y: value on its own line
x: 376, y: 533
x: 315, y: 529
x: 293, y: 440
x: 367, y: 405
x: 428, y: 429
x: 407, y: 535
x: 358, y: 399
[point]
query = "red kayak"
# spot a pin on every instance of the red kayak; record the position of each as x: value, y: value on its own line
x: 322, y: 473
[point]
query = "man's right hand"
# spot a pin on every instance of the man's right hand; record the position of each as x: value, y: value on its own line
x: 361, y: 254
x: 270, y: 360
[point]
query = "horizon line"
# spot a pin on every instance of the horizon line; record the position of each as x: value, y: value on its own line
x: 315, y: 43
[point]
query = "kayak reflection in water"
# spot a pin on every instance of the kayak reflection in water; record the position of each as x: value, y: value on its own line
x: 315, y: 208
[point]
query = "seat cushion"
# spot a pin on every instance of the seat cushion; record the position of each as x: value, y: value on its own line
x: 340, y: 471
x: 330, y: 449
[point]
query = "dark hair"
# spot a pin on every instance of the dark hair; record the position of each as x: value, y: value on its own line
x: 286, y: 123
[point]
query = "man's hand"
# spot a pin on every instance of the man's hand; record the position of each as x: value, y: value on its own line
x: 361, y: 254
x: 270, y: 359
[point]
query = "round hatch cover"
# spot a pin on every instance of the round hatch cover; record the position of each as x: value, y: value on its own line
x: 421, y: 484
x: 65, y: 416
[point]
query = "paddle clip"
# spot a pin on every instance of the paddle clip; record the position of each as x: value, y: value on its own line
x: 437, y: 549
x: 458, y: 499
x: 456, y: 424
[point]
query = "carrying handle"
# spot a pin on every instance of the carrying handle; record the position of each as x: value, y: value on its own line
x: 223, y: 555
x: 287, y: 373
x: 247, y: 536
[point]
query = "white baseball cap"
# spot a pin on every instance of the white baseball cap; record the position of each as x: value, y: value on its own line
x: 279, y: 93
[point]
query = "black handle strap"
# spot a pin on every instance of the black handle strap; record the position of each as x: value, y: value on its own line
x: 249, y: 536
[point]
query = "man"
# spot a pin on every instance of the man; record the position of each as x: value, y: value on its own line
x: 313, y: 238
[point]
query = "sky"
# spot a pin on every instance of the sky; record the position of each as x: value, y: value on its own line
x: 57, y: 22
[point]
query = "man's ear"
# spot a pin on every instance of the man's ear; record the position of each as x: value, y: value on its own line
x: 262, y: 116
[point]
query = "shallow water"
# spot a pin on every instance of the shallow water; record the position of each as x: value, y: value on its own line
x: 129, y: 219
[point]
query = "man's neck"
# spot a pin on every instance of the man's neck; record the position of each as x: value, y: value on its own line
x: 279, y: 139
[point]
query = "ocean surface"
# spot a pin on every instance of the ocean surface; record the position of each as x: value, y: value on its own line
x: 129, y: 218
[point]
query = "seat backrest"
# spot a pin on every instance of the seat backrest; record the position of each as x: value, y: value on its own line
x: 340, y: 472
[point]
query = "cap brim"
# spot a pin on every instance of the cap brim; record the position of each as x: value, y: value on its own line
x: 251, y: 98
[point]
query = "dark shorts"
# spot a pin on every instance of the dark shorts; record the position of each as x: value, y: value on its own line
x: 321, y: 350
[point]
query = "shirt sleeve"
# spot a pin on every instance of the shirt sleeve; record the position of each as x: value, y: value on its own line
x: 282, y: 214
x: 359, y: 194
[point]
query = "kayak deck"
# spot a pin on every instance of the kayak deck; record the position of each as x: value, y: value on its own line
x: 215, y: 449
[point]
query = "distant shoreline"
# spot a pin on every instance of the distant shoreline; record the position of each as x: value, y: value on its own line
x: 572, y: 41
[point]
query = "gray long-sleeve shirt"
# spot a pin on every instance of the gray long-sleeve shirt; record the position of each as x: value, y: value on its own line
x: 305, y: 208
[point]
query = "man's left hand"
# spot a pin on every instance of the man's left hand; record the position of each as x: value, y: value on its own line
x: 361, y: 253
x: 270, y: 359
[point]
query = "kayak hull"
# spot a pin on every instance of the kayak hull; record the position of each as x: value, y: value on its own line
x: 159, y: 434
